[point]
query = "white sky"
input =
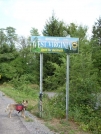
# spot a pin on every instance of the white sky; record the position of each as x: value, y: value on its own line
x: 25, y: 14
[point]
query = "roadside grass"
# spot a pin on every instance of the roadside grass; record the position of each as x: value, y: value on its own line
x: 64, y: 127
x: 19, y: 96
x: 60, y: 126
x: 28, y: 119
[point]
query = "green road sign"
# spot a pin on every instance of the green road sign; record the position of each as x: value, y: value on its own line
x: 44, y: 44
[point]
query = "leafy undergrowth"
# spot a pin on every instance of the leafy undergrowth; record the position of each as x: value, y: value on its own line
x: 65, y: 127
x: 60, y: 126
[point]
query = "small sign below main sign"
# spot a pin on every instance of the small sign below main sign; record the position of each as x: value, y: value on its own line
x: 45, y: 44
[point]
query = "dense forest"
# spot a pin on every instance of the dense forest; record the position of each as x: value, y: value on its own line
x: 18, y: 65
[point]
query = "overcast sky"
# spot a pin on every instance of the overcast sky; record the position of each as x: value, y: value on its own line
x: 25, y: 14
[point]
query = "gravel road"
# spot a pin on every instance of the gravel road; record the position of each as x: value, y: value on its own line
x: 50, y: 94
x: 18, y: 125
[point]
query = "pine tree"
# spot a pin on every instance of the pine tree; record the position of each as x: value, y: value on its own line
x: 96, y: 46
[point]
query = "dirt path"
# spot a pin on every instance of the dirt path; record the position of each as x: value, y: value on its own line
x: 50, y: 94
x: 18, y: 125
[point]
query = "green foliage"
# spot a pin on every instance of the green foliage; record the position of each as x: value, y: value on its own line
x: 77, y: 30
x: 96, y: 32
x: 19, y: 82
x: 59, y: 75
x: 34, y: 32
x: 54, y: 27
x: 96, y: 46
x: 8, y: 71
x: 7, y: 53
x: 84, y: 85
x: 54, y: 108
x: 88, y: 118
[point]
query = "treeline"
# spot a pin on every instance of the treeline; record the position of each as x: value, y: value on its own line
x: 18, y: 65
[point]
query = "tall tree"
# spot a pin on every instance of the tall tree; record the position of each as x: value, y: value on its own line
x: 35, y: 57
x: 56, y: 28
x: 96, y: 46
x: 96, y: 32
x: 7, y: 52
x: 34, y: 32
x: 75, y: 30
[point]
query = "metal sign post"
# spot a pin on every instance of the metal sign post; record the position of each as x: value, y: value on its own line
x: 67, y: 87
x: 41, y: 85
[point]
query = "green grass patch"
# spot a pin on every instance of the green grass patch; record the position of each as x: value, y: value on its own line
x: 27, y: 119
x: 18, y: 96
